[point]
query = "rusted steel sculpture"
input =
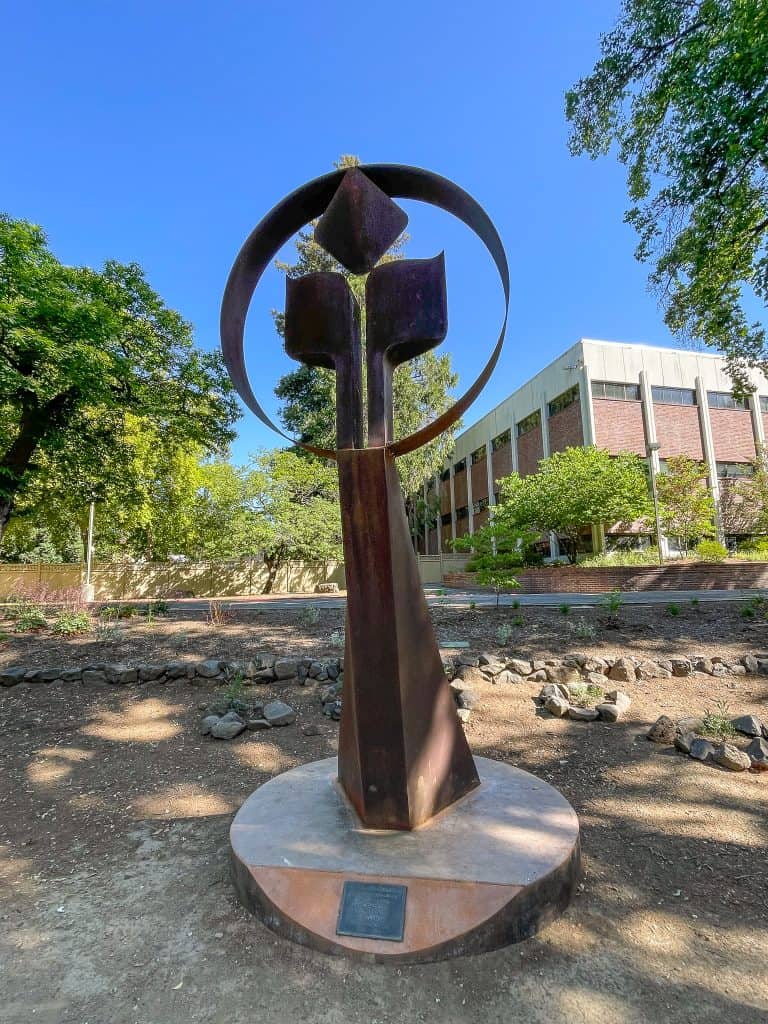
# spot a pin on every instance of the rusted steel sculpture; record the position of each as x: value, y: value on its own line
x: 403, y: 755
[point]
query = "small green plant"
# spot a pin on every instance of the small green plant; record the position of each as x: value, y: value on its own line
x: 72, y: 623
x: 673, y: 609
x: 4, y: 637
x: 30, y: 619
x: 518, y: 621
x: 309, y: 616
x: 612, y: 603
x: 217, y: 616
x: 582, y: 629
x: 695, y: 603
x: 515, y: 604
x: 564, y: 609
x: 337, y: 638
x: 154, y: 608
x: 717, y: 724
x: 107, y: 631
x: 503, y: 634
x: 472, y: 606
x: 586, y: 695
x: 748, y: 612
x: 711, y: 551
x: 234, y: 693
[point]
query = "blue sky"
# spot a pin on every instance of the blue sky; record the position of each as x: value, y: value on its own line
x: 161, y: 133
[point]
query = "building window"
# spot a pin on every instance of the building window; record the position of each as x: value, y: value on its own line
x: 563, y: 401
x: 478, y: 455
x: 674, y: 396
x: 495, y: 497
x: 763, y: 403
x: 731, y: 469
x: 478, y: 506
x: 445, y: 518
x: 618, y: 392
x: 529, y: 423
x: 501, y: 440
x: 725, y: 400
x: 462, y: 513
x: 460, y: 467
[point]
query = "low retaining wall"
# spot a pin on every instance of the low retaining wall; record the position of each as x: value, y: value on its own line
x: 572, y: 579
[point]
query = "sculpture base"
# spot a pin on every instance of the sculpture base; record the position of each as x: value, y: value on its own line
x: 488, y: 871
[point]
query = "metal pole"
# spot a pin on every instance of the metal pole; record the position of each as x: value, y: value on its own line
x: 89, y: 553
x: 654, y: 447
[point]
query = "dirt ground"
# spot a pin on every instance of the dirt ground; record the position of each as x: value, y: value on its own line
x: 115, y: 903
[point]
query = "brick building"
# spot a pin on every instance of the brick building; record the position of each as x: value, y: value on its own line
x: 617, y: 396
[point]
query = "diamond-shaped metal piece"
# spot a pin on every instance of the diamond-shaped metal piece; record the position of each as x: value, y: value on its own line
x: 360, y: 223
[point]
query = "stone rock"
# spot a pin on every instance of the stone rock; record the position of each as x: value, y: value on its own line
x: 595, y: 679
x: 470, y: 660
x: 537, y: 676
x: 227, y: 728
x: 554, y: 690
x: 327, y: 588
x: 93, y: 677
x: 286, y: 668
x: 468, y: 699
x: 264, y: 675
x: 508, y: 677
x: 704, y: 665
x: 622, y: 670
x: 12, y: 676
x: 592, y: 664
x: 463, y: 714
x: 757, y: 752
x: 232, y: 716
x: 207, y: 723
x: 537, y: 665
x: 519, y: 666
x: 681, y: 667
x: 315, y: 669
x: 147, y: 673
x: 557, y: 706
x: 471, y: 675
x: 732, y: 758
x: 35, y: 675
x: 256, y: 724
x: 582, y: 714
x: 121, y: 673
x: 332, y: 710
x: 652, y: 670
x: 690, y: 723
x: 736, y: 670
x: 312, y: 730
x: 72, y: 675
x: 178, y: 670
x: 701, y: 749
x: 663, y: 730
x: 562, y: 673
x: 208, y: 669
x: 749, y: 661
x: 331, y: 669
x: 279, y: 713
x: 684, y: 740
x: 750, y: 725
x: 619, y: 698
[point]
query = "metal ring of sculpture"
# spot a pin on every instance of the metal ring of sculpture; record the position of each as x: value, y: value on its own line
x: 303, y: 206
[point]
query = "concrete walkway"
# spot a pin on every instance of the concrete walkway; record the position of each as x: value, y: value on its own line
x: 461, y: 599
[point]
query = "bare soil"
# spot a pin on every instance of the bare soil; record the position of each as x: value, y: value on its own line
x: 115, y: 904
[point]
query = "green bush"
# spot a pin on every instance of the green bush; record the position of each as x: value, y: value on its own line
x: 673, y: 609
x: 607, y: 559
x: 29, y: 619
x: 711, y: 551
x: 70, y: 623
x: 564, y: 609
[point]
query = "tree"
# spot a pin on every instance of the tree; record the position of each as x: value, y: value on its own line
x: 500, y: 547
x: 744, y: 500
x: 681, y: 90
x: 295, y: 502
x: 81, y: 350
x: 573, y: 490
x: 421, y: 387
x: 686, y: 507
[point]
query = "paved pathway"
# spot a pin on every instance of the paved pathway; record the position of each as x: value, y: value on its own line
x: 461, y: 599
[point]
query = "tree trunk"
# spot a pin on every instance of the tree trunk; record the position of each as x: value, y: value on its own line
x: 35, y: 423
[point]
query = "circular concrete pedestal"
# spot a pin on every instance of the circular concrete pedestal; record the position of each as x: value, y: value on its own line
x: 488, y: 871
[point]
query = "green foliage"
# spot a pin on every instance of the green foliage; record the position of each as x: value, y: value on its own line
x: 711, y: 551
x: 686, y: 508
x: 515, y: 604
x: 673, y: 609
x: 606, y: 559
x: 747, y: 612
x: 573, y: 490
x: 72, y: 623
x: 695, y: 603
x: 564, y: 609
x: 717, y: 723
x: 31, y: 618
x: 503, y: 634
x: 612, y: 604
x: 518, y: 621
x: 81, y: 352
x: 585, y: 695
x: 680, y: 90
x: 337, y: 638
x: 582, y: 629
x: 421, y: 387
x: 309, y: 616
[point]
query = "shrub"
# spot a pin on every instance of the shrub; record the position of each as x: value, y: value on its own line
x: 673, y: 609
x: 747, y: 612
x: 582, y: 629
x: 154, y: 608
x: 711, y: 551
x: 31, y: 618
x: 717, y: 723
x: 337, y: 638
x: 646, y: 556
x: 310, y: 615
x: 565, y: 609
x: 518, y: 621
x: 585, y: 695
x: 503, y: 634
x: 71, y: 623
x: 611, y: 603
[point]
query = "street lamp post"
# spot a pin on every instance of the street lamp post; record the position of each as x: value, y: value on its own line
x: 653, y: 446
